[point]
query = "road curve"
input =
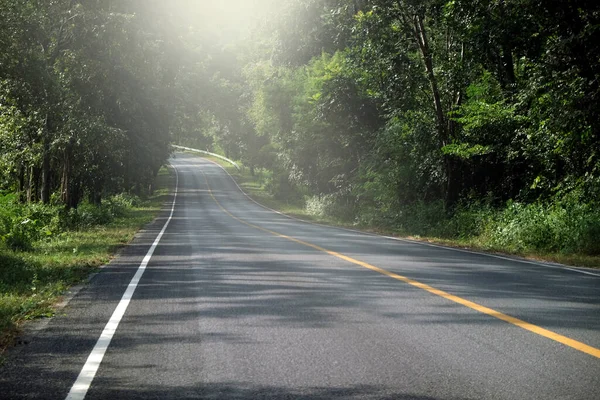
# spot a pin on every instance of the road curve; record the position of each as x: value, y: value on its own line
x: 239, y: 302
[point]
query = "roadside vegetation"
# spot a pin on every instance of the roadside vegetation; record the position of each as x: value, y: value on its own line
x: 83, y: 134
x: 44, y: 249
x: 564, y: 231
x: 474, y: 123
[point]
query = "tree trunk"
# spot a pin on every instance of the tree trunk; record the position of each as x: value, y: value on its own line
x: 32, y: 186
x: 96, y: 194
x: 126, y: 179
x: 508, y: 65
x: 65, y: 180
x: 45, y: 192
x: 453, y: 181
x: 21, y: 189
x: 74, y: 194
x: 452, y: 189
x: 422, y: 41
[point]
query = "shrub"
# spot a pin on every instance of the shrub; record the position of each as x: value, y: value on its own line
x: 320, y: 205
x: 119, y: 203
x: 20, y: 236
x: 89, y: 215
x: 22, y: 224
x: 564, y: 225
x: 468, y: 221
x: 331, y: 205
x: 424, y: 219
x: 279, y: 185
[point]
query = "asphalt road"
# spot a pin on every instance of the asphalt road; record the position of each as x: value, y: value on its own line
x: 238, y: 302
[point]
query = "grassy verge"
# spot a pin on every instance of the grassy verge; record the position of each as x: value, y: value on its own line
x: 578, y: 260
x: 255, y: 187
x: 32, y: 280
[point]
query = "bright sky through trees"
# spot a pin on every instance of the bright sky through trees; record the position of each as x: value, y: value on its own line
x: 225, y: 20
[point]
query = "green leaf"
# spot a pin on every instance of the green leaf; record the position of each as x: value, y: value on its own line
x: 466, y: 151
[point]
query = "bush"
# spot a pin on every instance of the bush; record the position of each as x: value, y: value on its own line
x: 22, y: 224
x: 20, y: 236
x: 91, y: 215
x: 320, y: 205
x: 468, y: 221
x: 119, y: 203
x: 279, y: 185
x: 423, y: 219
x: 331, y: 205
x: 564, y: 225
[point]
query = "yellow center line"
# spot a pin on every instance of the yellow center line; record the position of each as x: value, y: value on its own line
x: 595, y: 352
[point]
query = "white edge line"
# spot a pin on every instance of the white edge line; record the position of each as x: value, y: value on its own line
x: 88, y: 372
x: 558, y: 266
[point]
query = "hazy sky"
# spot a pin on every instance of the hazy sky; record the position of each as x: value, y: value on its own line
x: 226, y: 19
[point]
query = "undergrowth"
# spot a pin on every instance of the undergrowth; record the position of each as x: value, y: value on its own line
x: 44, y: 249
x: 564, y: 229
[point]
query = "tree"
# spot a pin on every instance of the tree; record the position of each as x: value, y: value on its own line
x: 76, y: 73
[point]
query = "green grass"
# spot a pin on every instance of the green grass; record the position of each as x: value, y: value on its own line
x: 449, y: 235
x: 31, y: 282
x: 477, y: 244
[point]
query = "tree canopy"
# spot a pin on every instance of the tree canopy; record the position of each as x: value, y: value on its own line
x: 375, y: 103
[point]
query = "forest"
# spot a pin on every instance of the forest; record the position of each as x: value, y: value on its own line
x: 445, y: 118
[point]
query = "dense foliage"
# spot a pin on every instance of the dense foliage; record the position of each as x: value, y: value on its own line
x: 385, y: 112
x: 81, y: 100
x: 438, y: 99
